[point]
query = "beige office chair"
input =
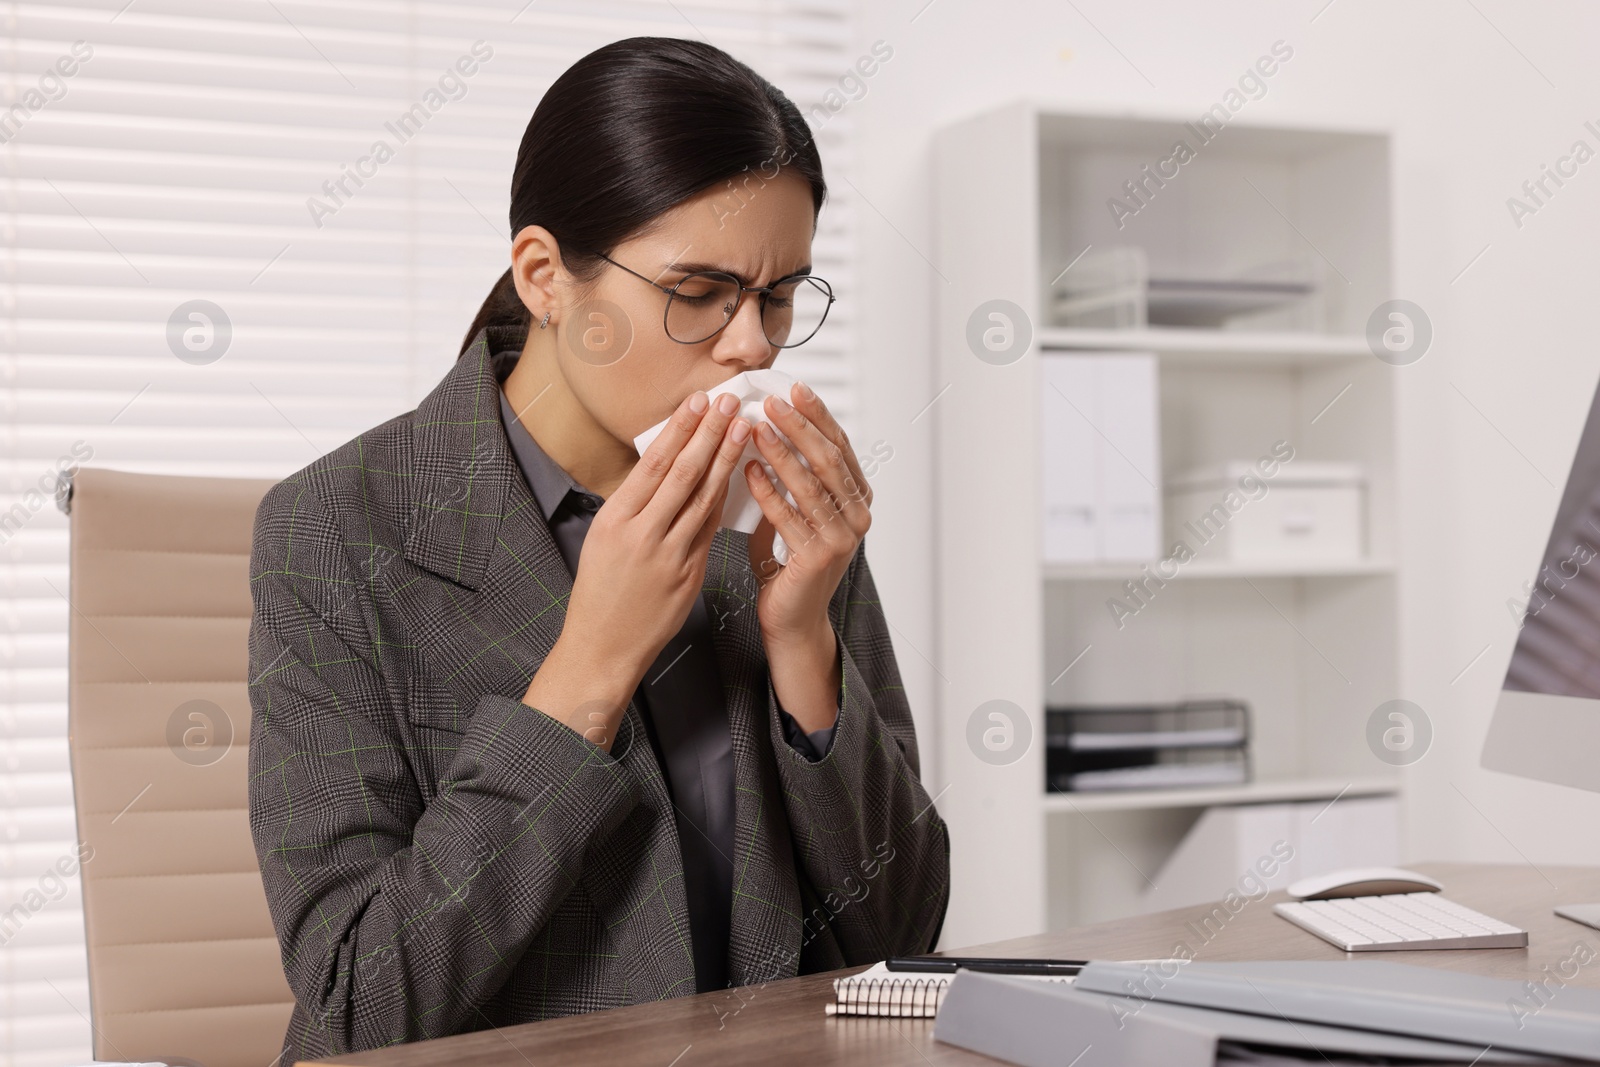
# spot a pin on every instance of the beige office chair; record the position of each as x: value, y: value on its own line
x: 182, y: 957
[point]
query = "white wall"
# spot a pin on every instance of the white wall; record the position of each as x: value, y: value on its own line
x: 1490, y: 416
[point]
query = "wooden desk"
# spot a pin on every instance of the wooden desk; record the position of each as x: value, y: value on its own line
x: 783, y: 1022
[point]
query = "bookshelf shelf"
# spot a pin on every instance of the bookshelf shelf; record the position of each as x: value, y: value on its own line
x: 1265, y: 792
x: 1220, y: 347
x: 1200, y: 568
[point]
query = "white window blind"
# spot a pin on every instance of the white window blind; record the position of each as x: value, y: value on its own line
x: 174, y: 164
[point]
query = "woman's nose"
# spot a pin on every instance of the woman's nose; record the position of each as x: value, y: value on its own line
x: 744, y: 339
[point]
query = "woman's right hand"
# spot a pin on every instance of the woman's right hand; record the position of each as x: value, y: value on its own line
x: 642, y: 565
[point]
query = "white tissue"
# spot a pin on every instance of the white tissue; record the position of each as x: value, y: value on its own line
x: 742, y: 511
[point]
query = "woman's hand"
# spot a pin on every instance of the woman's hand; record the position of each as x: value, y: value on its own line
x: 822, y: 530
x: 643, y: 564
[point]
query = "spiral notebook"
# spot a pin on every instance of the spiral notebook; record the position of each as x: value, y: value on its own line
x: 897, y: 994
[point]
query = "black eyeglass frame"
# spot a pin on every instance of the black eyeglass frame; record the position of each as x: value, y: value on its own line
x: 763, y: 290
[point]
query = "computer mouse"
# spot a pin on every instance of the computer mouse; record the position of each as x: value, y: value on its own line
x: 1362, y: 882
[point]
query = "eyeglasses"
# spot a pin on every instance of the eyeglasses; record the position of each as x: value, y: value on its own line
x: 700, y: 305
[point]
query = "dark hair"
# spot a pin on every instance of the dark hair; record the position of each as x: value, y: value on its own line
x: 630, y: 131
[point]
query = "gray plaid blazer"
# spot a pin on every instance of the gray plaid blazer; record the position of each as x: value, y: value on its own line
x: 439, y: 857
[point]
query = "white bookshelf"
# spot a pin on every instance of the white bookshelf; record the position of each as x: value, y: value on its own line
x: 1019, y: 194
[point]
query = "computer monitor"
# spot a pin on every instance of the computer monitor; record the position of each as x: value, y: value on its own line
x: 1546, y: 723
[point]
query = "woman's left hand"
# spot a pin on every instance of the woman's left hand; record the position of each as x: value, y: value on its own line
x: 822, y: 529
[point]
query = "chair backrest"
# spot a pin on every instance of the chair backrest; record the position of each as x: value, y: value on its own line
x: 183, y: 961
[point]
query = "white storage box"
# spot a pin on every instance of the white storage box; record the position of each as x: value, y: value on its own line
x: 1305, y: 512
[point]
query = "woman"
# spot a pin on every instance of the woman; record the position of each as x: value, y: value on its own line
x: 493, y: 781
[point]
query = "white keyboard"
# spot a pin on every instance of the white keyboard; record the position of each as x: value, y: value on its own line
x: 1400, y: 921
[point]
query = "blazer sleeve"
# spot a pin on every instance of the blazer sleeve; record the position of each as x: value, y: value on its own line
x: 398, y: 915
x: 869, y: 843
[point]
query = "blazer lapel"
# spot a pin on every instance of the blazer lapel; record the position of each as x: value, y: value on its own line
x: 460, y: 472
x: 765, y: 938
x: 475, y: 524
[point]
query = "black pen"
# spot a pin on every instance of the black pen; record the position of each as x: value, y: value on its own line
x: 992, y: 964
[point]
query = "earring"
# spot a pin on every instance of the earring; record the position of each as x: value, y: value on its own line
x: 545, y: 321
